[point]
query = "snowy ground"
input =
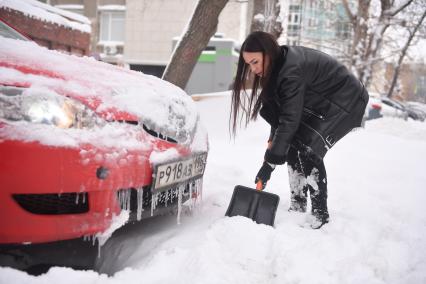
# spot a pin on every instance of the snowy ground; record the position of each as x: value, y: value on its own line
x: 377, y: 232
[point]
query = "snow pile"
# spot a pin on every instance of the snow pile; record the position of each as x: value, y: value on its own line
x: 414, y: 130
x: 108, y: 90
x: 376, y: 234
x: 47, y: 13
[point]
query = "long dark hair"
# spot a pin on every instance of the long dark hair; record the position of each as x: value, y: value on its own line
x: 250, y: 104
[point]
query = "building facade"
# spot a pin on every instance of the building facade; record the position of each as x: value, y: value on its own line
x: 411, y: 84
x: 107, y: 19
x: 139, y: 33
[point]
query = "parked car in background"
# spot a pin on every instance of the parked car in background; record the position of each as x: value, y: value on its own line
x: 405, y: 110
x: 379, y: 106
x: 393, y: 108
x: 82, y: 140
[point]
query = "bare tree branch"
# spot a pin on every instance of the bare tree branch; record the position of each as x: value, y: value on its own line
x: 368, y: 33
x: 395, y: 11
x: 403, y: 53
x: 350, y: 14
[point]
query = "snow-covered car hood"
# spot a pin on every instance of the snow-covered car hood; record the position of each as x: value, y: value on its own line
x: 112, y: 92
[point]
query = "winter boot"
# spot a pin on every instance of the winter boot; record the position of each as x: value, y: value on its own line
x: 318, y: 219
x: 298, y: 204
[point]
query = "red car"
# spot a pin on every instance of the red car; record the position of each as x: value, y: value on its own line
x: 80, y: 140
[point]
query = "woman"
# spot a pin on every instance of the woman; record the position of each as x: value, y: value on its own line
x: 310, y: 100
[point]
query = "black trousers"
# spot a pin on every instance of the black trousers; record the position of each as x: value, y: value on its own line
x: 307, y: 173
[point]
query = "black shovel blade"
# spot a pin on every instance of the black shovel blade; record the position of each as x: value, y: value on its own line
x: 260, y: 206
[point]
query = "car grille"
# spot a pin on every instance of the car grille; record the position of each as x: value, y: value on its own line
x: 164, y: 198
x: 54, y: 204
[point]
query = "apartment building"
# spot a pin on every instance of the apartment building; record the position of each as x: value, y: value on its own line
x: 319, y: 24
x: 139, y: 33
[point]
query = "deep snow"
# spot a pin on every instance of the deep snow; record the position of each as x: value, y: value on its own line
x: 377, y: 232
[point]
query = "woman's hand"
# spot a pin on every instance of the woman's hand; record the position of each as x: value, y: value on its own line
x: 264, y: 174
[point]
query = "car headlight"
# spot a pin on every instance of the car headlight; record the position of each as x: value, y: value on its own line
x: 44, y: 106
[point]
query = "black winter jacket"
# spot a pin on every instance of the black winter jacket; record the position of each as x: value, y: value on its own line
x: 313, y: 101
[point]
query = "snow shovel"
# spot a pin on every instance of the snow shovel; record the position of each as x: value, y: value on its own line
x: 258, y: 205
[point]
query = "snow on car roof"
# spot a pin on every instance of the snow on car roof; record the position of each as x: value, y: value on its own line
x: 49, y: 13
x: 160, y: 105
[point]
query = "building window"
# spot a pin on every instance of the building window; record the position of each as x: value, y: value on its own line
x: 293, y: 30
x: 294, y: 8
x: 292, y: 42
x: 343, y: 30
x: 112, y: 26
x: 296, y: 18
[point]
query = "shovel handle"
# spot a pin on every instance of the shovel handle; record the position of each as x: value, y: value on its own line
x: 259, y: 185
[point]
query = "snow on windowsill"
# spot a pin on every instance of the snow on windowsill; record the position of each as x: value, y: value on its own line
x: 112, y: 8
x: 110, y: 43
x: 70, y: 7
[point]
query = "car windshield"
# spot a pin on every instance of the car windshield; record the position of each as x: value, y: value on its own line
x: 8, y: 32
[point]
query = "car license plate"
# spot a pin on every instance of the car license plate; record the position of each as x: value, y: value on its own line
x: 170, y: 174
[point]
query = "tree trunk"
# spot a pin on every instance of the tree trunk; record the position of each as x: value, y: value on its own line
x: 266, y: 17
x: 201, y: 28
x: 403, y: 53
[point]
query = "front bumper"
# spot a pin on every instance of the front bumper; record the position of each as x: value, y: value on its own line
x: 32, y: 168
